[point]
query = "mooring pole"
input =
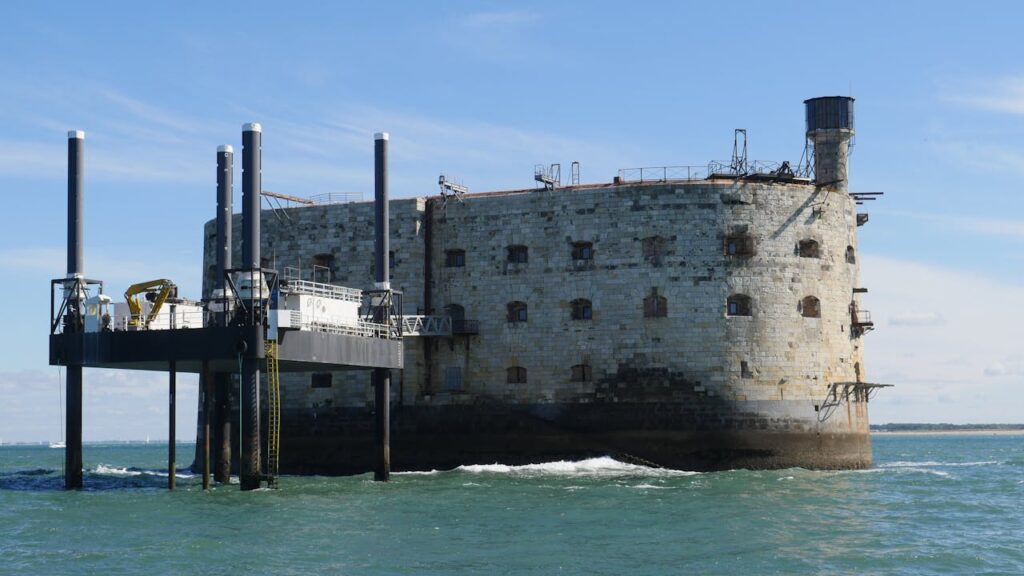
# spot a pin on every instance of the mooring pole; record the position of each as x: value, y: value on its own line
x: 249, y: 465
x: 73, y: 323
x: 382, y: 376
x: 206, y: 393
x: 172, y: 410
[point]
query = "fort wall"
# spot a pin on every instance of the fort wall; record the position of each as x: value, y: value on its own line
x: 627, y: 291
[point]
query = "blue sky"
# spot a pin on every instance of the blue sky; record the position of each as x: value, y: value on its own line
x: 485, y: 90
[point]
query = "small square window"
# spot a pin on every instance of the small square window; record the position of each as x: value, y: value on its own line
x: 515, y: 375
x: 583, y: 251
x: 453, y: 378
x: 582, y: 309
x: 581, y: 373
x: 516, y: 311
x: 455, y: 258
x: 518, y: 254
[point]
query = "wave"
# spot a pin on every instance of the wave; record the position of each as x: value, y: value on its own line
x: 604, y: 467
x: 105, y: 470
x: 904, y: 464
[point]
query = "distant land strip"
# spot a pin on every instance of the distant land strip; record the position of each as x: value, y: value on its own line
x: 909, y: 427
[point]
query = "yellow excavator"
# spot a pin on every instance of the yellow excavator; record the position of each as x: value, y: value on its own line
x: 156, y: 291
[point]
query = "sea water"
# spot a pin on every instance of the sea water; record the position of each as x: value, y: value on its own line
x: 930, y: 505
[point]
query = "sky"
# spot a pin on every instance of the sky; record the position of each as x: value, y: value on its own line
x: 483, y: 91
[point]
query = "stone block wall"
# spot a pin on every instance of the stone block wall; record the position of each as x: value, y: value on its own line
x: 666, y: 240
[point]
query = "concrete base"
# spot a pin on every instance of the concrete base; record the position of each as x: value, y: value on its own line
x: 444, y: 437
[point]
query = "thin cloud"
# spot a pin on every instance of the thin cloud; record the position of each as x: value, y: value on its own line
x: 1005, y: 95
x: 977, y: 225
x: 499, y: 18
x: 975, y: 330
x: 113, y: 268
x: 118, y: 405
x: 911, y: 318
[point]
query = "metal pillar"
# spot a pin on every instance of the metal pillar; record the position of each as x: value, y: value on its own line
x: 249, y: 465
x: 382, y: 376
x: 73, y: 414
x: 222, y: 398
x: 172, y: 413
x: 225, y: 175
x: 220, y: 384
x: 206, y: 396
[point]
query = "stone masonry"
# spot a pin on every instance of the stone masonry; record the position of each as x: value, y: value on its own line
x: 626, y: 290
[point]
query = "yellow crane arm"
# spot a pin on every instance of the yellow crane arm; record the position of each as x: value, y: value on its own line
x: 163, y: 288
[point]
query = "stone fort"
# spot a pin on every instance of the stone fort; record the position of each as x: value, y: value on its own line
x: 704, y: 321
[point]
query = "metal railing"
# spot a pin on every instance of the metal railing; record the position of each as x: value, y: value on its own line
x: 178, y: 320
x: 69, y: 313
x: 296, y: 286
x: 753, y: 167
x: 465, y: 327
x: 337, y: 198
x: 663, y: 173
x: 362, y: 329
x: 426, y: 325
x: 713, y: 168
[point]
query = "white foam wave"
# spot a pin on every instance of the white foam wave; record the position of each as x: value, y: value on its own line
x: 597, y: 467
x: 906, y: 464
x: 417, y: 473
x: 649, y: 487
x: 125, y: 472
x: 116, y: 471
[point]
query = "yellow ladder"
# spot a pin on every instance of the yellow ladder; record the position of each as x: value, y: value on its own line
x: 274, y: 410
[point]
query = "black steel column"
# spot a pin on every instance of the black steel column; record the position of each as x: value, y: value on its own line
x: 172, y: 414
x: 76, y: 265
x: 382, y: 376
x: 225, y: 176
x: 220, y: 384
x: 206, y: 397
x: 249, y: 465
x: 222, y: 397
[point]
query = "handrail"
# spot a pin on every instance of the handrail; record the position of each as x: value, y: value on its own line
x: 663, y: 173
x: 296, y: 286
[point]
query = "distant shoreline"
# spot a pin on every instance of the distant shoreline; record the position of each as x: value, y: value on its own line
x: 970, y: 432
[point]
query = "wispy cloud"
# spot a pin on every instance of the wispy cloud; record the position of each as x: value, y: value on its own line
x: 976, y: 225
x: 1004, y: 95
x: 117, y: 270
x: 333, y: 152
x: 984, y: 156
x: 1011, y: 366
x: 914, y: 318
x: 926, y: 315
x: 499, y: 18
x: 118, y: 405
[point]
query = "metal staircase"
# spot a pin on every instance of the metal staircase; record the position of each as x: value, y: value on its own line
x: 274, y: 417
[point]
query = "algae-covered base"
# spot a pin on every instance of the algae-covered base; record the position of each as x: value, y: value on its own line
x: 670, y: 436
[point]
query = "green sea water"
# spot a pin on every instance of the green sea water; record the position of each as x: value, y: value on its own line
x: 931, y: 505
